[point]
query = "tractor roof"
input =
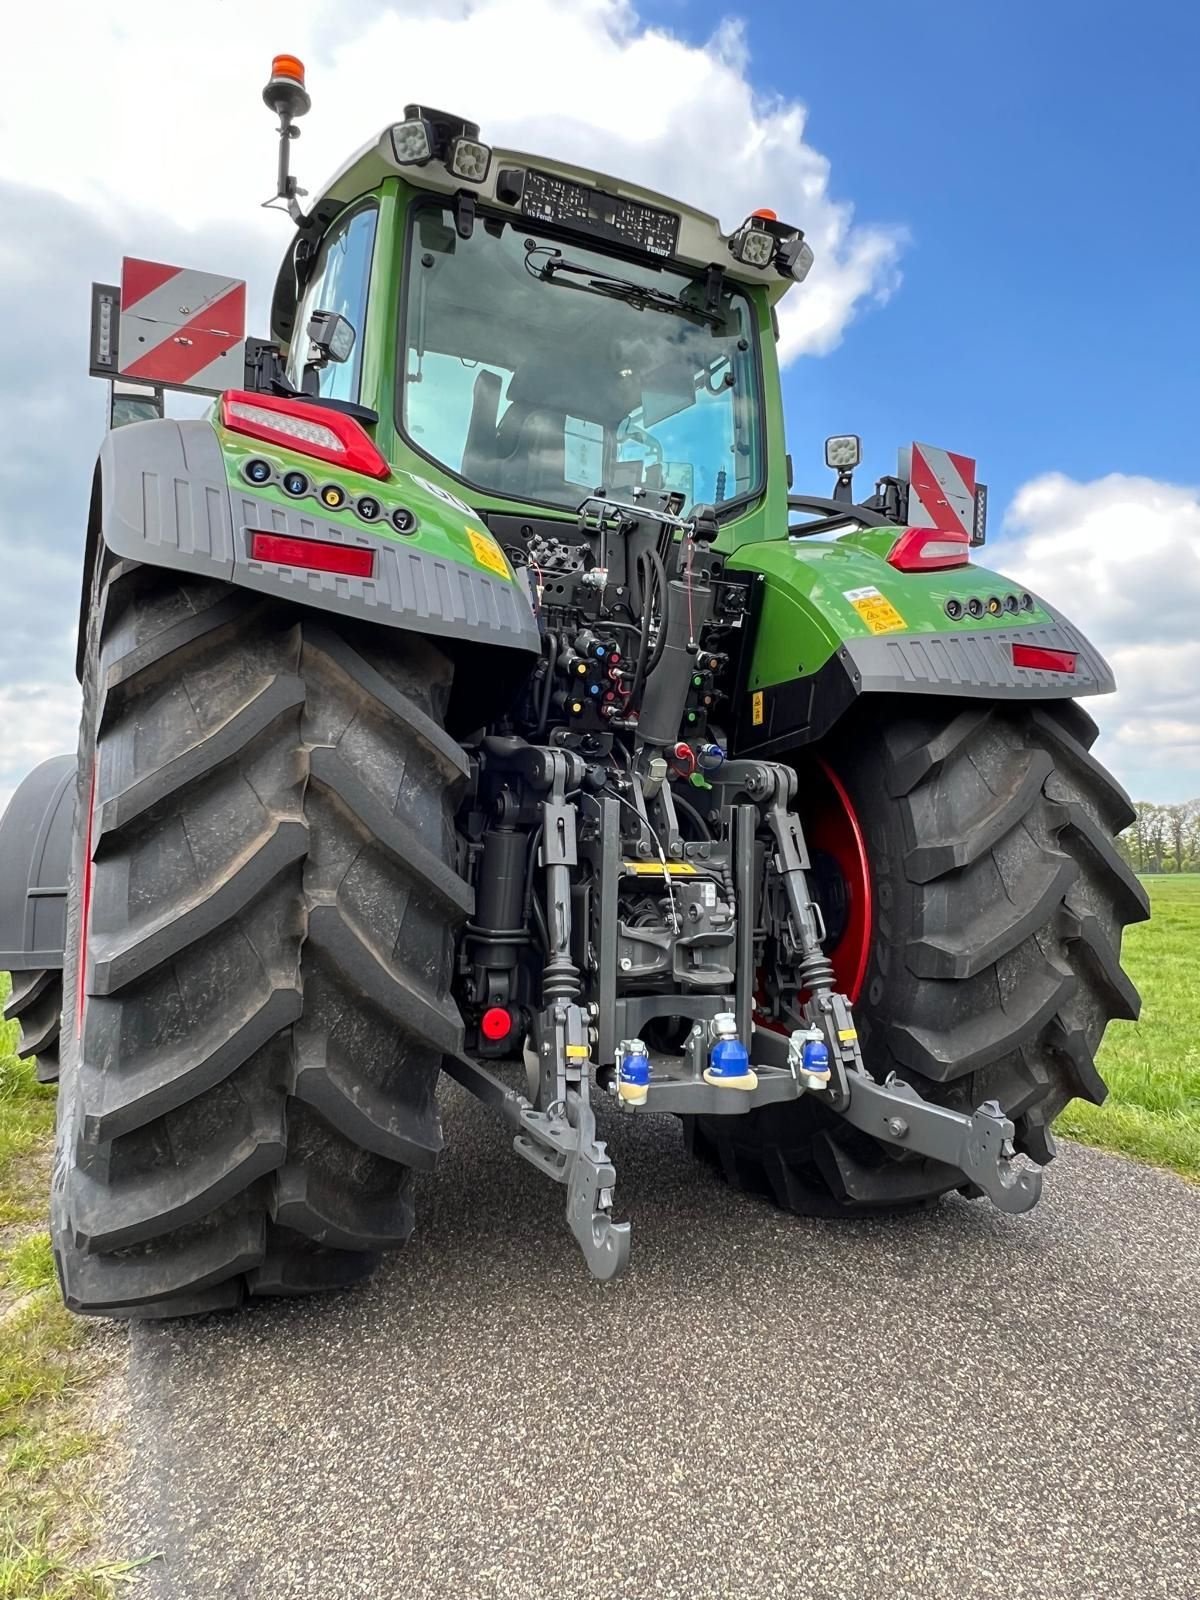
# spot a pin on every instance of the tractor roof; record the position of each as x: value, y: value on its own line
x: 700, y: 239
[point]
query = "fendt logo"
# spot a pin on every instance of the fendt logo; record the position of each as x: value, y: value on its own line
x: 181, y: 327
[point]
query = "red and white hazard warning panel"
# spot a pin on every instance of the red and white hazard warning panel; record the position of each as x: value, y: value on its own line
x: 941, y: 489
x: 181, y: 328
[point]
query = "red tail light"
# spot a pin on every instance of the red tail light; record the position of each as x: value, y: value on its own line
x: 320, y: 554
x: 299, y: 425
x: 929, y: 550
x: 1043, y: 660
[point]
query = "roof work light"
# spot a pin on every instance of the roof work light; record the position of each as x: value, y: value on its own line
x: 427, y: 135
x: 764, y: 241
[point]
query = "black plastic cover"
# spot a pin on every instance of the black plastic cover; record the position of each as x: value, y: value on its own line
x: 35, y: 854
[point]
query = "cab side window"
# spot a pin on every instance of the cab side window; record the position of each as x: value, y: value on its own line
x: 339, y: 283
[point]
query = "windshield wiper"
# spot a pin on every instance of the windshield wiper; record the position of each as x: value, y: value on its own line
x: 638, y: 295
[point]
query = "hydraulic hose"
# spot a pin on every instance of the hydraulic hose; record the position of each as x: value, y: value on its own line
x: 656, y: 583
x: 689, y: 810
x: 548, y: 686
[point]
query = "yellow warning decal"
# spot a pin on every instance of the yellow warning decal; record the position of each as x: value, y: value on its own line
x: 756, y: 708
x: 846, y: 1034
x: 487, y: 552
x: 655, y: 869
x: 876, y: 610
x: 577, y: 1050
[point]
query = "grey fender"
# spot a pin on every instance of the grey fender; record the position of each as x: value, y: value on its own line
x: 971, y: 665
x: 162, y: 496
x: 35, y: 858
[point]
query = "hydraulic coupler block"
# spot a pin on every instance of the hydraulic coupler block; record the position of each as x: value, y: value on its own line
x: 633, y: 1072
x: 728, y: 1058
x: 808, y: 1057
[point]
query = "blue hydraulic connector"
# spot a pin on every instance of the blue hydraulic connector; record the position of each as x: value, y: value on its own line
x: 728, y: 1059
x: 808, y: 1057
x: 633, y: 1072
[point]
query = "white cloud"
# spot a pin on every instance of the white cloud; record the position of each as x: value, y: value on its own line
x: 1121, y: 556
x: 40, y: 720
x: 167, y: 119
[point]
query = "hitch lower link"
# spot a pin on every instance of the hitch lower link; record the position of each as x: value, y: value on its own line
x: 561, y: 1141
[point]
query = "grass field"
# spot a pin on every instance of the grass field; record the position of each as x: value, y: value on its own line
x: 49, y: 1361
x: 1152, y: 1066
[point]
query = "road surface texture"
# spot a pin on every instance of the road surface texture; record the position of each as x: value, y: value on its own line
x: 946, y: 1406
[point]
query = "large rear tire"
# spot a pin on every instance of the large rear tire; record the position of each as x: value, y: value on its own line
x: 266, y: 894
x: 998, y: 900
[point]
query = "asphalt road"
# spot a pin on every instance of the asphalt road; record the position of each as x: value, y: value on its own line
x: 947, y: 1406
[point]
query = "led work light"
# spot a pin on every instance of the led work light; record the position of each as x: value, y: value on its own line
x: 843, y: 452
x: 764, y: 241
x: 469, y: 160
x: 412, y: 142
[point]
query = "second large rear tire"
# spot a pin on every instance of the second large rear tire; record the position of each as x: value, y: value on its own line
x: 266, y: 892
x: 993, y: 964
x: 36, y: 1003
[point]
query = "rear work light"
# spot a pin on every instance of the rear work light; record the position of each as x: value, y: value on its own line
x: 319, y: 554
x: 929, y: 550
x: 1043, y: 660
x: 299, y: 425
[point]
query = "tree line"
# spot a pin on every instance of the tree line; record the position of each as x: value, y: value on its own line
x: 1163, y: 838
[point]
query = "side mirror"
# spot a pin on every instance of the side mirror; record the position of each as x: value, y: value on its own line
x: 330, y: 338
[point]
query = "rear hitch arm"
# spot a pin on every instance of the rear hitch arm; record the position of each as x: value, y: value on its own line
x: 980, y: 1145
x: 561, y: 1143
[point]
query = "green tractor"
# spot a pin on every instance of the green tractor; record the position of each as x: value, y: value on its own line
x: 469, y: 693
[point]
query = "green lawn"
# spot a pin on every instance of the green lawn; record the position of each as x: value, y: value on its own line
x: 1152, y: 1066
x: 48, y: 1361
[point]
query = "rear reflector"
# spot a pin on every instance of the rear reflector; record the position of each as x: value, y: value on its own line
x: 929, y: 550
x: 496, y: 1023
x: 1042, y: 660
x: 319, y: 554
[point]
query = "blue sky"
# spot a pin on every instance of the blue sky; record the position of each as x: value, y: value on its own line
x: 1045, y: 160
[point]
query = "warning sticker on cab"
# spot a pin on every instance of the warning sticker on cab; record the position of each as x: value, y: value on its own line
x: 756, y: 708
x: 876, y: 610
x: 487, y: 552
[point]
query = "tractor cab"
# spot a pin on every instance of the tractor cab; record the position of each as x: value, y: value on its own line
x: 526, y: 333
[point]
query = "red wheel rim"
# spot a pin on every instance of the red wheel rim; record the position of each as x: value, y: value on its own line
x: 832, y: 828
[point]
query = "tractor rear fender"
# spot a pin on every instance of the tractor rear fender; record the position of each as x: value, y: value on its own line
x: 832, y: 620
x: 35, y: 853
x: 175, y: 494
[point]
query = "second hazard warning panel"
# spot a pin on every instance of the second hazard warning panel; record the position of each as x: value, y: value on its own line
x: 181, y: 328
